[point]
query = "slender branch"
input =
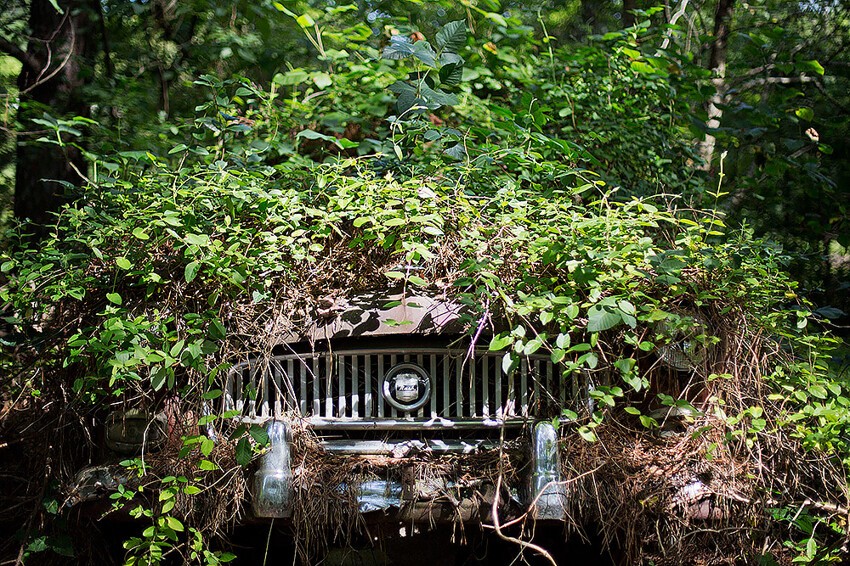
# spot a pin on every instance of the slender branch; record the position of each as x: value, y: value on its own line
x: 679, y: 13
x: 43, y: 79
x: 778, y: 80
x: 495, y: 512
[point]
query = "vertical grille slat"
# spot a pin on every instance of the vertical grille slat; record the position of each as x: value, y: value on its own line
x: 446, y: 387
x: 349, y: 385
x: 393, y: 361
x: 355, y: 389
x: 329, y: 405
x: 458, y: 387
x: 485, y: 387
x: 433, y: 369
x: 523, y: 387
x: 473, y: 394
x: 341, y: 399
x: 380, y: 399
x: 367, y: 371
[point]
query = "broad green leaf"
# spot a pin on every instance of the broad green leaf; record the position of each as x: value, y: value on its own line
x: 642, y: 68
x: 587, y: 434
x: 114, y: 298
x: 158, y: 378
x: 811, y: 66
x: 423, y: 51
x: 201, y: 240
x: 305, y: 21
x: 191, y: 271
x: 123, y: 263
x: 806, y: 114
x: 207, y: 446
x: 600, y: 318
x: 259, y: 434
x: 217, y: 331
x: 399, y: 48
x: 452, y: 36
x: 500, y: 342
x: 243, y: 451
x: 322, y: 80
x: 558, y: 355
x: 451, y: 74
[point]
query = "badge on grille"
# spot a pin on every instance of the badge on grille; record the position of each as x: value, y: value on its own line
x: 407, y: 387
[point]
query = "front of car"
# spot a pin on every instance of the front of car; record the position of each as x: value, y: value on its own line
x: 397, y: 379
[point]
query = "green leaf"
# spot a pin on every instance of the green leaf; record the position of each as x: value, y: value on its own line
x: 313, y: 135
x: 305, y: 21
x: 423, y: 51
x: 806, y: 114
x: 209, y: 466
x: 811, y: 66
x: 123, y: 263
x: 451, y: 74
x: 600, y: 318
x: 399, y: 48
x: 281, y: 8
x: 114, y: 298
x: 56, y: 7
x: 259, y: 434
x: 191, y: 271
x: 158, y: 378
x: 818, y: 391
x: 642, y: 68
x: 174, y: 523
x: 587, y: 434
x: 140, y: 234
x: 452, y: 36
x: 509, y: 363
x: 217, y: 331
x: 322, y: 80
x: 243, y: 451
x: 201, y: 240
x: 500, y: 342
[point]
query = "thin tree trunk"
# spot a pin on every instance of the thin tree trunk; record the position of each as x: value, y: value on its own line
x: 59, y: 48
x: 717, y: 64
x: 628, y: 17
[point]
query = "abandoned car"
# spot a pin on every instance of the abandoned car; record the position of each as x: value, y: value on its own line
x: 393, y: 378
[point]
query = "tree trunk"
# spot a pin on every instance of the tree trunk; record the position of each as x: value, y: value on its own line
x: 628, y: 17
x: 58, y: 54
x: 717, y: 64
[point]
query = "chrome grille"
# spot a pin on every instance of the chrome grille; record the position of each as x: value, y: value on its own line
x: 346, y: 385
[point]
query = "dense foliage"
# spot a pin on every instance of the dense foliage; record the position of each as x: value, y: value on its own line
x: 553, y: 187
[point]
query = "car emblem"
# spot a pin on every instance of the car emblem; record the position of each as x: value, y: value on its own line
x: 407, y: 387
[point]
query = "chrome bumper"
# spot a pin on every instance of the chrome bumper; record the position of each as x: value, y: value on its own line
x: 272, y: 495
